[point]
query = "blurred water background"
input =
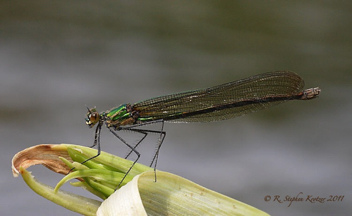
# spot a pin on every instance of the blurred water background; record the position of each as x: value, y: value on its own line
x: 56, y: 57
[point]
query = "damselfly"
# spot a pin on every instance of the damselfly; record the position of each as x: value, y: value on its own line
x: 221, y: 102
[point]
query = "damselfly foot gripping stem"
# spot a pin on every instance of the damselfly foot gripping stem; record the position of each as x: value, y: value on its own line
x: 220, y: 102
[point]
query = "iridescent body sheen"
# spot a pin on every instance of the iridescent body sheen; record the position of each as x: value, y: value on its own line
x: 220, y: 102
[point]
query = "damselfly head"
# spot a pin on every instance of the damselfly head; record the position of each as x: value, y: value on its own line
x: 93, y: 117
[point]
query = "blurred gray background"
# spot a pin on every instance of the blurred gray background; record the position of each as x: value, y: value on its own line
x: 56, y: 57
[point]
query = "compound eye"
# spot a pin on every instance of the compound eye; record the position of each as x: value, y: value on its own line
x: 92, y: 118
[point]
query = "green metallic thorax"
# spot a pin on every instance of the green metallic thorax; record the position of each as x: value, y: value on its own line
x: 119, y: 113
x: 124, y: 115
x: 118, y: 116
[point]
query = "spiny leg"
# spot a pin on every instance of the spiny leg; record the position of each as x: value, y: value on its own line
x: 96, y: 141
x: 160, y: 141
x: 145, y: 134
x: 143, y: 131
x: 97, y: 135
x: 134, y: 150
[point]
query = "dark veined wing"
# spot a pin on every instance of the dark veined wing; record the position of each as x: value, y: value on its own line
x: 224, y: 101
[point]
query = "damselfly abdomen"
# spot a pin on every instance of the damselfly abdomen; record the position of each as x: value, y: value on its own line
x: 220, y: 102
